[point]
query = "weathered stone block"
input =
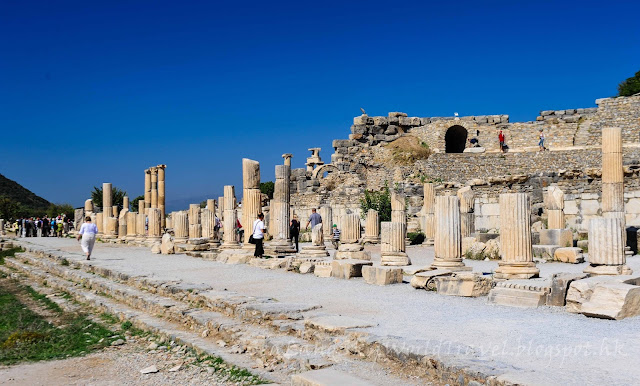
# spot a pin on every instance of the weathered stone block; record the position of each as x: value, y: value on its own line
x: 323, y: 269
x: 463, y: 284
x: 515, y: 297
x: 569, y: 255
x: 560, y: 285
x: 613, y: 301
x: 426, y: 279
x: 560, y: 237
x: 381, y: 275
x: 544, y: 251
x: 346, y: 269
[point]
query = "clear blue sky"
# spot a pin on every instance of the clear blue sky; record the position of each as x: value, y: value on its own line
x: 97, y: 91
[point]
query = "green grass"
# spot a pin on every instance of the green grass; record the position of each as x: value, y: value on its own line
x: 27, y: 336
x: 233, y: 373
x: 9, y: 253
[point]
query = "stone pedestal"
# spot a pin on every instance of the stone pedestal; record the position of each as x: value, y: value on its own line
x: 155, y: 225
x: 467, y: 216
x: 428, y: 218
x: 372, y: 228
x: 515, y: 238
x: 350, y: 247
x: 180, y: 226
x: 554, y: 201
x: 606, y: 247
x: 393, y: 245
x: 317, y: 249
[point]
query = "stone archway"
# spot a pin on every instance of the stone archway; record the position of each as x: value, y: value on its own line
x: 319, y: 172
x: 455, y: 139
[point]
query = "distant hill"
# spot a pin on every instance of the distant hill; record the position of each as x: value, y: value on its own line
x: 21, y: 195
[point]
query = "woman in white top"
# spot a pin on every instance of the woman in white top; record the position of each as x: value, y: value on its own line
x: 88, y: 232
x: 258, y: 235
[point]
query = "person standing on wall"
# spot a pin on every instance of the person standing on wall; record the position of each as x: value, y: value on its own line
x: 541, y: 141
x: 257, y: 237
x: 503, y: 145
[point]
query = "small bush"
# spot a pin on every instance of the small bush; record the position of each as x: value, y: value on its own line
x: 416, y: 238
x: 408, y: 149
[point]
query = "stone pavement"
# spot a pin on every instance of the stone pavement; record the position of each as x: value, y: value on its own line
x: 531, y: 346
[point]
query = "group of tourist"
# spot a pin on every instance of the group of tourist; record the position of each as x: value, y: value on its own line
x: 503, y: 145
x: 43, y: 227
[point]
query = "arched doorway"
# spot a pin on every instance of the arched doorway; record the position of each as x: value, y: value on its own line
x: 455, y: 139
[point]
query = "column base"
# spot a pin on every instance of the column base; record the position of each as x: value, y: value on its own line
x: 280, y: 247
x: 596, y: 270
x: 230, y: 245
x: 351, y: 251
x: 525, y: 270
x: 395, y: 259
x: 180, y: 240
x: 371, y: 240
x: 428, y: 242
x: 455, y: 265
x: 313, y: 251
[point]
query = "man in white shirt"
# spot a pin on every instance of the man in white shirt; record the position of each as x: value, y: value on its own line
x: 258, y: 235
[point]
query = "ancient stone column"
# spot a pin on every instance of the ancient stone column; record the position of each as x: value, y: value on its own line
x: 147, y: 189
x: 393, y: 246
x: 154, y: 186
x: 141, y: 232
x: 211, y: 205
x: 208, y: 222
x: 555, y: 208
x: 155, y: 224
x: 350, y: 247
x: 142, y: 207
x: 606, y: 247
x: 106, y: 203
x: 125, y: 202
x: 287, y: 159
x: 112, y: 227
x: 2, y: 222
x: 448, y: 241
x: 195, y: 227
x: 398, y: 208
x: 100, y: 223
x: 229, y: 237
x: 467, y: 217
x: 114, y: 211
x: 131, y: 225
x: 327, y: 219
x: 180, y: 226
x: 280, y: 210
x: 161, y: 191
x: 122, y: 219
x: 515, y: 238
x: 317, y: 249
x: 372, y: 227
x: 428, y: 217
x: 612, y: 173
x: 88, y: 206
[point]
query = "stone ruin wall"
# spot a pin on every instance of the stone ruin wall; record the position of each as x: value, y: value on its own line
x: 362, y: 161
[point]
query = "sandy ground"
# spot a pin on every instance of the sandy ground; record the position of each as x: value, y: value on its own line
x: 535, y: 346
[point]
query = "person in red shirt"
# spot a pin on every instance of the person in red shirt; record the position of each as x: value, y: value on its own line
x: 503, y: 147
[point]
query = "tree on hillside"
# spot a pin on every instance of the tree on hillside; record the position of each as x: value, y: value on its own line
x: 630, y: 86
x: 8, y: 208
x: 267, y: 188
x: 134, y: 203
x: 117, y: 197
x: 58, y: 209
x: 378, y: 200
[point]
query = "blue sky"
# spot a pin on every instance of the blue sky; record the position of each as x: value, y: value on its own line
x: 94, y: 92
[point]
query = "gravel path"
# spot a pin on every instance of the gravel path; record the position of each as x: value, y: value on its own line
x: 533, y: 346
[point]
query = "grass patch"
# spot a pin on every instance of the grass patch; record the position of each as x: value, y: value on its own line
x: 28, y: 336
x: 408, y: 149
x: 9, y: 253
x: 232, y: 373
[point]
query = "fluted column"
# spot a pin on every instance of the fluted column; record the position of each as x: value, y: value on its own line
x: 208, y: 222
x: 467, y: 216
x: 515, y: 238
x: 155, y: 224
x: 372, y: 228
x: 154, y: 186
x: 555, y: 208
x: 448, y: 242
x: 180, y: 226
x: 398, y: 208
x: 107, y: 204
x: 195, y: 227
x: 606, y: 247
x: 229, y: 240
x: 281, y: 211
x: 327, y: 219
x: 350, y: 247
x: 161, y: 191
x: 393, y: 247
x: 428, y: 217
x: 147, y: 190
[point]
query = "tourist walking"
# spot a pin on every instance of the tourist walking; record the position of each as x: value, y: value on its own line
x: 541, y: 141
x: 87, y: 233
x: 258, y: 235
x: 294, y: 231
x: 314, y: 219
x: 335, y: 239
x: 239, y: 231
x: 503, y: 145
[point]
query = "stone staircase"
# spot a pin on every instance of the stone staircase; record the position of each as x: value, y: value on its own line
x: 281, y: 342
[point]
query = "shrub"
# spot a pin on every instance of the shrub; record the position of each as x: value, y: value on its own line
x: 416, y: 237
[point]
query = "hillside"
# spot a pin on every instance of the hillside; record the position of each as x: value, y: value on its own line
x: 20, y: 195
